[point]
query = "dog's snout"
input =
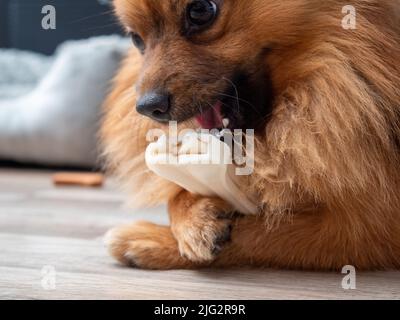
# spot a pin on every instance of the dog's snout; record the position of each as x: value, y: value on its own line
x: 155, y: 105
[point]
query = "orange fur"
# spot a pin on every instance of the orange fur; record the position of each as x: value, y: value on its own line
x: 327, y: 162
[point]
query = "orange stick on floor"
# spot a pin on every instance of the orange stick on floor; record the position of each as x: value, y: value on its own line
x: 78, y: 179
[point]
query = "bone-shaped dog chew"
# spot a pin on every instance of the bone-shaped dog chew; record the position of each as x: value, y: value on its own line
x: 201, y: 164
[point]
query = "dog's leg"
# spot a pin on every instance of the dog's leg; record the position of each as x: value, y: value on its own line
x: 320, y: 240
x: 310, y: 241
x: 146, y: 245
x: 201, y: 225
x: 150, y: 246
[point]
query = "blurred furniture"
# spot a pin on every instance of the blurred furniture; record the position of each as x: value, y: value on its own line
x: 54, y: 120
x: 21, y: 27
x: 41, y: 122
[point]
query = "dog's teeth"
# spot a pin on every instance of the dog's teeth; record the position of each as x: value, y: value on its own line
x: 225, y: 122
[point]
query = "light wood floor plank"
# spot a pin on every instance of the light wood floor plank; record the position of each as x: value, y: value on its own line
x: 41, y: 225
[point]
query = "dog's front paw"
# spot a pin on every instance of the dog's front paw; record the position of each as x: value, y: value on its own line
x: 145, y: 245
x: 202, y: 234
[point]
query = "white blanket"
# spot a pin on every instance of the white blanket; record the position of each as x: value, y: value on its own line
x: 50, y: 106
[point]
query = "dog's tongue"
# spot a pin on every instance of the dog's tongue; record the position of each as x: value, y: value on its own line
x: 212, y: 118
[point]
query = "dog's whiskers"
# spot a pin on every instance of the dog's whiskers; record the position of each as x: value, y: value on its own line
x: 240, y: 99
x: 236, y: 91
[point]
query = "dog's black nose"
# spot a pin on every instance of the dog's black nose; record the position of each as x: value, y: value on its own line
x: 155, y: 105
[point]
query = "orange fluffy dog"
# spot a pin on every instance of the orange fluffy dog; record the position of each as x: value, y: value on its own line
x: 324, y: 101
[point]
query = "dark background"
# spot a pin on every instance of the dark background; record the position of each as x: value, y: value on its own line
x: 21, y: 23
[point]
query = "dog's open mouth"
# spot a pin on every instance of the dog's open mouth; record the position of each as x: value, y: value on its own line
x: 229, y: 111
x: 245, y: 105
x: 213, y: 118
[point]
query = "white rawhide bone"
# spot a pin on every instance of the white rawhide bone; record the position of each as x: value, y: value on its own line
x: 201, y: 164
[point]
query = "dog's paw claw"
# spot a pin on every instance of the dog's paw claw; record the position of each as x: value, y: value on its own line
x: 204, y: 240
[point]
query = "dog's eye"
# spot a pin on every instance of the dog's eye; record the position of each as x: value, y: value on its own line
x: 138, y: 42
x: 200, y: 14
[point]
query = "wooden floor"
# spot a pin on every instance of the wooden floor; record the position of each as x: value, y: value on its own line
x: 51, y: 248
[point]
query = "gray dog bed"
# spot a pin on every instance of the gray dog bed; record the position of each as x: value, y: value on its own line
x: 50, y: 106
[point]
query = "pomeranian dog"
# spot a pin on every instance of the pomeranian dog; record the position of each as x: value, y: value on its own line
x: 324, y: 100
